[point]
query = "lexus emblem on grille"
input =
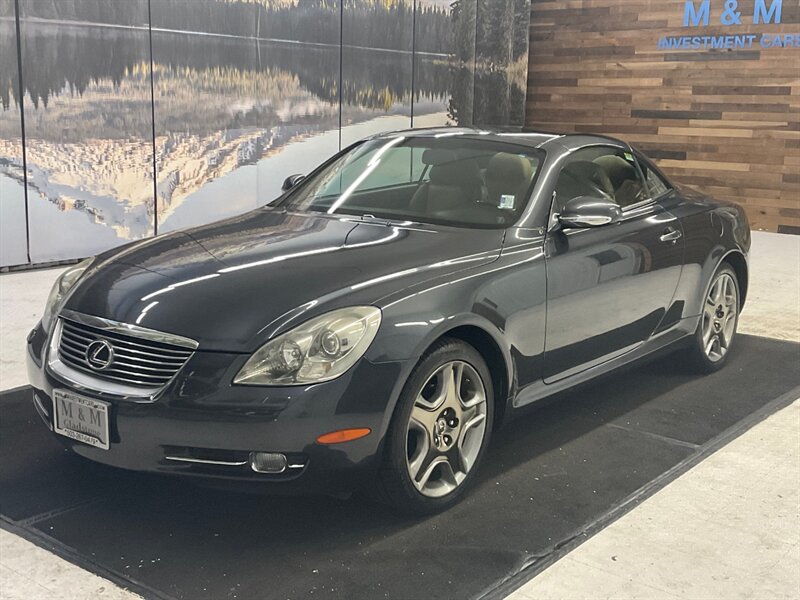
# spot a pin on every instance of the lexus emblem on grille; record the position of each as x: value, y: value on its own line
x: 100, y: 355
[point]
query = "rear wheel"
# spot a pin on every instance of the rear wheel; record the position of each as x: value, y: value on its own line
x: 440, y: 430
x: 719, y: 320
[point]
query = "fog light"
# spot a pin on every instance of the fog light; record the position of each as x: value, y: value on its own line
x: 267, y: 462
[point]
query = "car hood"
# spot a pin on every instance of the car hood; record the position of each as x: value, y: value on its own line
x: 234, y: 284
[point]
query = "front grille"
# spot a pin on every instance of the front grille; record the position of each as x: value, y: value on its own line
x: 135, y: 361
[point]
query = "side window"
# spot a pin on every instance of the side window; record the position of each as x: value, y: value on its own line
x: 600, y: 172
x: 655, y: 183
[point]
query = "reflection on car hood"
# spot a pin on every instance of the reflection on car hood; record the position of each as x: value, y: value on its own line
x: 234, y: 284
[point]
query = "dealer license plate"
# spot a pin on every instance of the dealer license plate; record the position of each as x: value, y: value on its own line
x: 80, y: 418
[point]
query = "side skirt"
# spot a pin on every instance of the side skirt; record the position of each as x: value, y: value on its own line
x: 659, y: 345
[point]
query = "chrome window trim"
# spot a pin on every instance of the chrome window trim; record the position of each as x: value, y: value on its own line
x: 638, y: 205
x: 663, y: 195
x: 130, y: 330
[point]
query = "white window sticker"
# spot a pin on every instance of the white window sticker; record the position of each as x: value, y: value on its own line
x: 507, y: 202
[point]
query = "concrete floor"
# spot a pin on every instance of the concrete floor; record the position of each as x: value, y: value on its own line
x: 773, y: 299
x: 22, y: 299
x: 28, y: 572
x: 729, y: 528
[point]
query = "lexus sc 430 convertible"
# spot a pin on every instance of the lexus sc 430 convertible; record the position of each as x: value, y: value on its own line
x: 373, y: 325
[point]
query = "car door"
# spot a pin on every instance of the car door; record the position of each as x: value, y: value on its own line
x: 608, y: 287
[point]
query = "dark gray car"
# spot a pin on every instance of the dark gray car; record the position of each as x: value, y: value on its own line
x: 371, y: 327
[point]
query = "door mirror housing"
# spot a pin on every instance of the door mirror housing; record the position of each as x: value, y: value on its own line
x: 588, y: 211
x: 291, y: 181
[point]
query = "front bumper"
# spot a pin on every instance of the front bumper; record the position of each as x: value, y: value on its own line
x: 200, y: 415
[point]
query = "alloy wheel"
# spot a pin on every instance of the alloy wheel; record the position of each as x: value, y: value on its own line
x: 446, y: 429
x: 719, y: 317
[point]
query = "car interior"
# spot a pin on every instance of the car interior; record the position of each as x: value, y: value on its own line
x: 476, y: 185
x: 473, y: 185
x: 608, y: 177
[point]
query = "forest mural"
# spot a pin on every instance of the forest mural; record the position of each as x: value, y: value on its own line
x: 146, y: 116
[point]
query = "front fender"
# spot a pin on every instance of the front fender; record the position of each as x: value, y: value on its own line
x: 502, y: 304
x: 423, y: 337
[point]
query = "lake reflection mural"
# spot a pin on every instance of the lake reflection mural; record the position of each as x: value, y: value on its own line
x: 123, y: 143
x: 13, y: 224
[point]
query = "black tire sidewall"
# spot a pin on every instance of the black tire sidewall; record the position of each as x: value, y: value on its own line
x: 410, y: 499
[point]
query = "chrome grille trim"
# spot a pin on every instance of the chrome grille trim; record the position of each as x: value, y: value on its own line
x: 117, y: 371
x: 79, y: 338
x: 144, y: 360
x: 125, y: 329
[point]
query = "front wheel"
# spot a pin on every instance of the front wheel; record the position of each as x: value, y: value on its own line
x: 439, y: 431
x: 717, y: 328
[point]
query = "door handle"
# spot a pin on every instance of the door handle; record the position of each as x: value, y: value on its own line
x: 671, y: 235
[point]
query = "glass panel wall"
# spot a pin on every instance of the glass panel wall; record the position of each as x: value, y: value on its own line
x: 444, y: 67
x: 300, y: 43
x: 242, y: 94
x: 501, y: 56
x: 88, y: 132
x: 13, y: 226
x: 377, y: 59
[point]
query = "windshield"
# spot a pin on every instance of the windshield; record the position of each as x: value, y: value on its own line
x: 454, y: 180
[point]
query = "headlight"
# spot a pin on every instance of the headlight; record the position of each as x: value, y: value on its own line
x: 319, y: 350
x: 61, y: 288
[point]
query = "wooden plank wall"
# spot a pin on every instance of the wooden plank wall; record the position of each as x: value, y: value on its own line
x: 726, y: 122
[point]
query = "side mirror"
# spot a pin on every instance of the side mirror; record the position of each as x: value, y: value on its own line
x: 291, y: 181
x: 586, y: 211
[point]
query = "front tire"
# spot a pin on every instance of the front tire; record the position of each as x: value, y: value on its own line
x: 439, y: 432
x: 717, y: 328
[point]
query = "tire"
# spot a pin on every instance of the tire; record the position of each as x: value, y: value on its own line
x: 430, y: 461
x: 712, y: 342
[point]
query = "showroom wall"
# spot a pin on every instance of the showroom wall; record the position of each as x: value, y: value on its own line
x: 128, y: 119
x: 709, y: 88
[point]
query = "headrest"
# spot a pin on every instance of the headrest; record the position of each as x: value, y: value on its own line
x: 437, y: 156
x: 464, y: 173
x: 617, y: 168
x: 448, y: 174
x: 589, y: 171
x: 513, y: 169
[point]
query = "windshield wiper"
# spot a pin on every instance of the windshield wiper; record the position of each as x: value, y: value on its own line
x: 387, y: 221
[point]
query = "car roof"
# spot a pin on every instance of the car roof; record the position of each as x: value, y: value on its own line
x: 532, y: 139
